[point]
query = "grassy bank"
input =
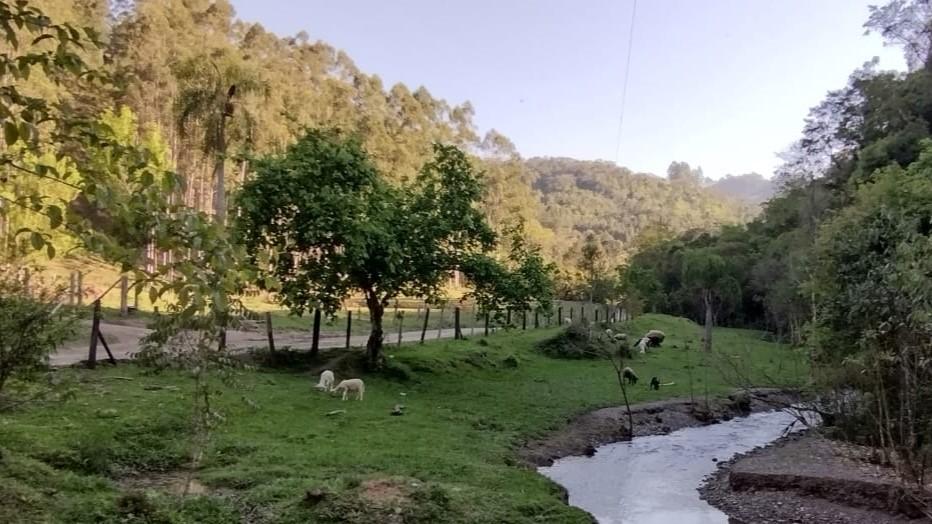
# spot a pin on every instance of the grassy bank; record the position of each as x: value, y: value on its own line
x: 449, y: 458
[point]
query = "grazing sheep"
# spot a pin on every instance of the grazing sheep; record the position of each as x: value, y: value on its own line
x: 655, y: 383
x: 326, y: 381
x: 353, y: 384
x: 655, y: 337
x: 630, y: 376
x: 642, y: 344
x: 567, y: 320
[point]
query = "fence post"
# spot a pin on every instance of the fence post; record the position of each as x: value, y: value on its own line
x: 315, y: 338
x: 457, y: 334
x: 572, y: 312
x: 426, y: 319
x: 596, y: 314
x: 95, y: 330
x: 269, y: 332
x: 508, y: 316
x: 136, y: 291
x: 440, y: 324
x: 80, y: 289
x: 560, y: 315
x: 401, y: 323
x: 124, y: 298
x: 349, y: 326
x: 523, y: 319
x: 536, y: 319
x: 486, y: 323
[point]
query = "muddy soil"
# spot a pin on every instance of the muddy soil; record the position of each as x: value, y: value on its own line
x: 586, y: 432
x: 807, y: 479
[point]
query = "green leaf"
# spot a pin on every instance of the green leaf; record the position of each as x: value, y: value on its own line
x: 55, y: 216
x: 10, y: 132
x: 50, y: 250
x: 36, y: 240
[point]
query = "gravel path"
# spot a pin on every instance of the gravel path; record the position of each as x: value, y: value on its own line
x: 124, y: 341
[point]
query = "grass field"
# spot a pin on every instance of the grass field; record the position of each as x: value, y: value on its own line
x: 109, y: 454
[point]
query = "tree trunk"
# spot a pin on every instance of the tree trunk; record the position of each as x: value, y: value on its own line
x: 220, y: 195
x: 707, y: 342
x: 374, y: 345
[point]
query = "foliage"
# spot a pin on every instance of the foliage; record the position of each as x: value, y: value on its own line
x: 31, y: 326
x: 523, y: 281
x: 577, y: 341
x: 873, y: 267
x: 333, y: 226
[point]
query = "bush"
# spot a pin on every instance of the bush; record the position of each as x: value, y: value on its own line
x: 576, y: 342
x: 31, y: 326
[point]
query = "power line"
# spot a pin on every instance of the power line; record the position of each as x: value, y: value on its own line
x: 624, y: 88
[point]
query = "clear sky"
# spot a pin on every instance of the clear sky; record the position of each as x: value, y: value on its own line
x: 724, y: 84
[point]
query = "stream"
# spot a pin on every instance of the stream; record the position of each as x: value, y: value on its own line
x: 653, y: 480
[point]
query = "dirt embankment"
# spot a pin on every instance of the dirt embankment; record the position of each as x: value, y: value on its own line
x: 806, y: 478
x: 584, y: 433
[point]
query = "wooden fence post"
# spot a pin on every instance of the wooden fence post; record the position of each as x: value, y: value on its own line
x: 523, y: 319
x: 124, y: 296
x: 572, y: 311
x: 596, y: 314
x: 426, y: 319
x: 486, y: 323
x: 440, y: 324
x: 95, y: 331
x: 80, y: 289
x: 349, y: 326
x: 401, y: 323
x: 72, y: 293
x: 315, y: 337
x: 560, y: 315
x: 536, y: 319
x: 508, y: 316
x: 457, y: 334
x: 269, y: 332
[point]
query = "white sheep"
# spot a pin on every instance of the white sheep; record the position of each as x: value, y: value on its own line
x: 629, y: 375
x: 567, y: 320
x: 353, y: 384
x: 326, y: 381
x: 642, y: 344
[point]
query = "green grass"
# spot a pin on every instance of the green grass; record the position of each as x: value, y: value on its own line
x: 453, y: 450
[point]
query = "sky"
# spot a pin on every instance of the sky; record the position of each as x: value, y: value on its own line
x: 723, y: 84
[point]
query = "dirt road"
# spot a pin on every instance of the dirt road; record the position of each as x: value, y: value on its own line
x: 124, y: 341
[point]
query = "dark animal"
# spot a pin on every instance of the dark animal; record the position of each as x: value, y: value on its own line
x: 655, y: 383
x: 629, y: 375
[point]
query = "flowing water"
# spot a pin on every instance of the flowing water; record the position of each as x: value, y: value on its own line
x: 653, y: 480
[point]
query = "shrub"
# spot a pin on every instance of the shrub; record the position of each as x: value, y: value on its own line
x: 31, y: 326
x: 576, y: 342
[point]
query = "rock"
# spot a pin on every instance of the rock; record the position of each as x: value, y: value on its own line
x: 590, y: 450
x: 658, y: 419
x: 107, y: 413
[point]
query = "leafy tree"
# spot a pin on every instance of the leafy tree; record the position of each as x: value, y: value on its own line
x: 907, y: 23
x: 592, y: 263
x: 334, y: 226
x: 523, y: 281
x: 707, y: 274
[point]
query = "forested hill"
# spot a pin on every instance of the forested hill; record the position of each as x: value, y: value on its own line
x: 178, y: 64
x: 577, y: 197
x: 752, y: 188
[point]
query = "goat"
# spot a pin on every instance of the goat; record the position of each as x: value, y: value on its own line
x: 353, y: 384
x: 629, y: 375
x: 326, y: 381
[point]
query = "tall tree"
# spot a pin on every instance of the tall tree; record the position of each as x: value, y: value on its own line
x: 210, y: 86
x: 592, y: 263
x: 706, y: 273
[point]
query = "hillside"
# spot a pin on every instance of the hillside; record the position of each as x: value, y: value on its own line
x: 577, y: 197
x: 751, y: 188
